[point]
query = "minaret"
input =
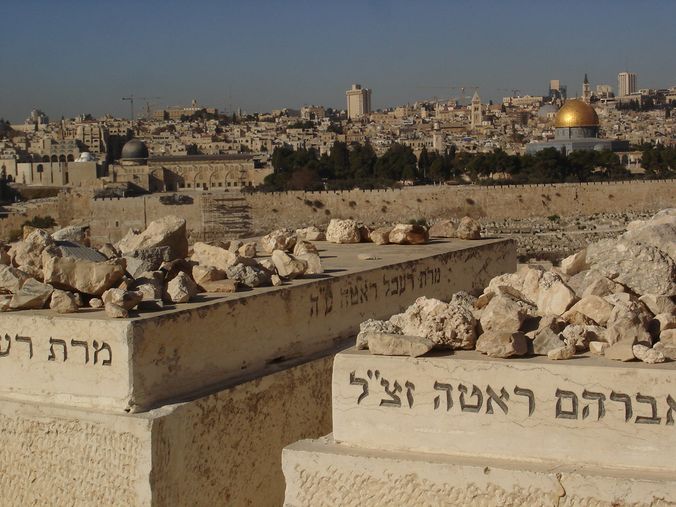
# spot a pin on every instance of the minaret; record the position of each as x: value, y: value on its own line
x: 586, y: 90
x: 475, y: 115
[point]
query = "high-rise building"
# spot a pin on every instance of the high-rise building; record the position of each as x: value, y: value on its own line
x: 476, y: 117
x: 586, y: 90
x: 358, y: 101
x: 626, y: 83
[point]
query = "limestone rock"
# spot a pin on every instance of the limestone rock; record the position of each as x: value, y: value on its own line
x: 443, y: 229
x: 202, y: 274
x: 88, y: 277
x: 343, y: 231
x: 503, y: 313
x: 167, y: 231
x: 648, y: 355
x: 95, y: 303
x: 388, y: 344
x: 27, y: 254
x: 276, y: 280
x: 403, y: 234
x: 247, y: 250
x: 303, y: 247
x: 63, y: 302
x: 74, y: 233
x: 581, y: 336
x: 210, y: 255
x: 372, y: 326
x: 668, y: 337
x: 602, y: 286
x: 115, y: 311
x: 575, y: 263
x: 668, y: 351
x: 5, y: 258
x: 126, y: 299
x: 623, y: 334
x: 220, y: 286
x: 109, y: 251
x: 181, y: 289
x: 554, y: 296
x: 381, y: 235
x: 548, y: 337
x: 267, y: 264
x: 249, y: 276
x: 311, y: 233
x: 566, y: 351
x: 279, y: 239
x: 659, y: 232
x: 594, y: 307
x: 644, y: 269
x: 364, y: 233
x: 32, y: 295
x: 288, y: 266
x: 11, y: 278
x: 658, y: 304
x: 464, y: 299
x: 663, y: 322
x: 447, y: 325
x: 314, y: 263
x: 598, y: 348
x: 235, y: 245
x: 5, y: 301
x: 468, y: 228
x: 502, y: 344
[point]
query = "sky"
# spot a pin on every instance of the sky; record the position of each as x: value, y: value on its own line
x: 68, y: 57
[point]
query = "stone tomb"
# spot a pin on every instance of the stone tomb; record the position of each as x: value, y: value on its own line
x: 194, y: 404
x: 465, y: 429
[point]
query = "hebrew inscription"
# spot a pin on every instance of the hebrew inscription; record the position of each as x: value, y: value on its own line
x: 59, y: 351
x: 502, y: 400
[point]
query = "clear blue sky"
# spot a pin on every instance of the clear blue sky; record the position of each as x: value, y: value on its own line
x: 73, y: 56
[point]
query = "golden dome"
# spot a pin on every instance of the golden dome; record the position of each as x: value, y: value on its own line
x: 576, y: 113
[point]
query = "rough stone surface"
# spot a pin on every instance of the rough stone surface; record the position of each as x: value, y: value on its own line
x: 167, y: 231
x: 381, y: 235
x: 202, y: 274
x: 27, y: 254
x: 644, y: 269
x: 11, y: 278
x: 602, y: 286
x: 658, y: 304
x: 598, y: 348
x: 288, y: 266
x: 447, y: 325
x: 575, y: 263
x: 303, y: 247
x: 276, y: 280
x: 443, y: 229
x: 311, y: 233
x: 126, y: 299
x: 468, y: 228
x: 343, y: 231
x: 74, y: 233
x: 210, y: 255
x: 247, y: 250
x: 367, y: 257
x: 648, y: 355
x: 502, y: 344
x: 92, y: 278
x: 548, y: 337
x: 594, y: 307
x: 220, y: 286
x: 666, y: 349
x: 249, y: 276
x: 566, y: 351
x: 109, y: 251
x: 115, y: 311
x: 279, y: 239
x: 314, y: 263
x: 32, y: 295
x: 406, y: 234
x: 503, y: 313
x: 390, y: 344
x: 372, y: 326
x: 623, y: 334
x: 63, y: 302
x: 668, y: 337
x: 5, y: 302
x: 659, y: 231
x: 554, y: 296
x: 95, y: 303
x: 181, y: 289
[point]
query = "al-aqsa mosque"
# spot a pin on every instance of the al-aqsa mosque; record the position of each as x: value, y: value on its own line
x: 576, y: 127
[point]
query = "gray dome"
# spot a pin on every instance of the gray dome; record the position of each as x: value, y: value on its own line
x: 134, y: 149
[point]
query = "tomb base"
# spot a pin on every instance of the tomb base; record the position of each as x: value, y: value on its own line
x: 323, y: 473
x: 222, y: 449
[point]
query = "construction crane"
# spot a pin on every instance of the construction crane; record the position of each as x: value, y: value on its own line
x: 131, y: 100
x: 461, y: 89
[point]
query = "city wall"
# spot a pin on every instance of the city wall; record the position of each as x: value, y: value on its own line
x: 112, y: 218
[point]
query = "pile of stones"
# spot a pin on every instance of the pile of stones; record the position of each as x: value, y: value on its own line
x: 144, y: 270
x: 350, y: 231
x: 615, y: 298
